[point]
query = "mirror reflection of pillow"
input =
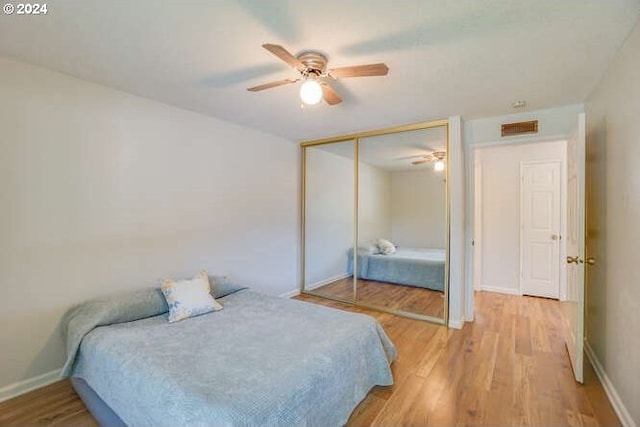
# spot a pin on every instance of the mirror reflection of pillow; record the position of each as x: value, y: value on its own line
x: 386, y: 247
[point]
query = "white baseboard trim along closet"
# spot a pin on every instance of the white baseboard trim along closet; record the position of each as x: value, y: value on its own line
x: 21, y: 387
x: 500, y: 290
x: 456, y: 323
x: 610, y: 390
x: 327, y: 281
x: 292, y: 293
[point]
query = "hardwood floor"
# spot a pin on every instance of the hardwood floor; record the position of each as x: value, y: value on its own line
x: 508, y: 368
x: 389, y: 295
x: 54, y: 405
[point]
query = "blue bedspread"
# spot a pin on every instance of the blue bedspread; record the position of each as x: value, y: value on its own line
x: 261, y: 361
x: 421, y: 268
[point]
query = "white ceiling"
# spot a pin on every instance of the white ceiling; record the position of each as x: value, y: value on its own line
x: 445, y: 57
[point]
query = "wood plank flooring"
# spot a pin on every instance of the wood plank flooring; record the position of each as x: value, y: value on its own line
x: 54, y: 405
x: 389, y: 296
x: 508, y: 368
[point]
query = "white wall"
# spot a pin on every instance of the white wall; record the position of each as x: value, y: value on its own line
x: 329, y: 215
x: 374, y: 204
x: 500, y: 206
x: 419, y: 209
x: 457, y: 227
x: 104, y: 191
x: 613, y: 190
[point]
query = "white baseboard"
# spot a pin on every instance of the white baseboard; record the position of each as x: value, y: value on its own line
x: 500, y: 290
x: 327, y: 281
x: 21, y: 387
x: 609, y: 389
x: 456, y: 323
x: 292, y: 293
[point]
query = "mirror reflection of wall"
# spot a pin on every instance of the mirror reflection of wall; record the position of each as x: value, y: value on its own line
x: 329, y: 218
x: 374, y: 203
x: 418, y: 211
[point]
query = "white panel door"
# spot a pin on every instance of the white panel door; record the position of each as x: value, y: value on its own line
x: 540, y: 221
x: 573, y: 307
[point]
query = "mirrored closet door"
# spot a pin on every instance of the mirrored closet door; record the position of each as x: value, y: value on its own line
x: 375, y: 219
x: 402, y: 221
x: 329, y: 218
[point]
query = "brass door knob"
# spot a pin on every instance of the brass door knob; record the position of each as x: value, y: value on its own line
x: 573, y: 260
x: 591, y: 260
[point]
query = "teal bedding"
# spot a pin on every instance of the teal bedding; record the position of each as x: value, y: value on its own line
x: 261, y: 361
x: 422, y: 268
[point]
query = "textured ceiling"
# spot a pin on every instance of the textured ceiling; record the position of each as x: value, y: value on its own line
x: 465, y: 57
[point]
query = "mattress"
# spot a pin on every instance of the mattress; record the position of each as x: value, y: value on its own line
x: 418, y: 267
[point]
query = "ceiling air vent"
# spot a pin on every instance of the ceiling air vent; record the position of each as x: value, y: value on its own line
x: 520, y: 128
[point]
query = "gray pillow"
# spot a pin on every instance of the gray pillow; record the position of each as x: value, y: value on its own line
x: 221, y: 287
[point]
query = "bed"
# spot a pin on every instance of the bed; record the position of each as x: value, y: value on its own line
x: 262, y: 360
x: 419, y: 267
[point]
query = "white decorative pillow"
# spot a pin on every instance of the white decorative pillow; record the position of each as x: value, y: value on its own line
x: 189, y: 298
x: 386, y: 247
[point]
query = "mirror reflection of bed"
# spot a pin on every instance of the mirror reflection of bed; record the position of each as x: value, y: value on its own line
x: 401, y: 221
x: 409, y: 280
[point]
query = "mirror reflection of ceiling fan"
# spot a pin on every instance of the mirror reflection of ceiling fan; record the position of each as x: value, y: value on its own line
x: 435, y: 157
x: 312, y: 67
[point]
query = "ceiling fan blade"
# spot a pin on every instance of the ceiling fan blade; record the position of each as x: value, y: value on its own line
x: 272, y: 84
x: 439, y: 155
x: 359, y: 71
x: 419, y: 162
x: 417, y: 156
x: 285, y: 55
x: 330, y: 95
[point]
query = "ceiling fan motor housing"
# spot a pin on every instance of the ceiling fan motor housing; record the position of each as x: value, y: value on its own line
x: 314, y: 62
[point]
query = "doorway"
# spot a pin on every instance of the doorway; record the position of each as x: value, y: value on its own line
x: 520, y: 218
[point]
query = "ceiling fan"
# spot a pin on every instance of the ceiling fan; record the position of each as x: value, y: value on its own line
x: 312, y: 67
x: 436, y: 157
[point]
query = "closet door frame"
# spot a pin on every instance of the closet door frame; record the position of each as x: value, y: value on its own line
x: 355, y: 138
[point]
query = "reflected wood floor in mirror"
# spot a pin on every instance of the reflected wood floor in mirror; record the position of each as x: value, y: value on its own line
x: 508, y: 368
x: 389, y: 296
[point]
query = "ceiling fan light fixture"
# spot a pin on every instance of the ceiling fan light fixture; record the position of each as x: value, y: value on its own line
x: 438, y: 166
x: 311, y: 66
x: 310, y: 92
